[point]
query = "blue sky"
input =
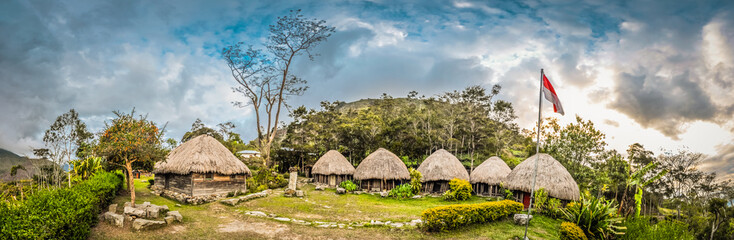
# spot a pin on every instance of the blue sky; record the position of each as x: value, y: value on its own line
x: 656, y: 72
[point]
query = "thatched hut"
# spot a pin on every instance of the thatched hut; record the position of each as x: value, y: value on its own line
x: 201, y: 166
x: 438, y: 169
x: 486, y: 178
x: 381, y: 170
x: 552, y: 176
x: 332, y: 168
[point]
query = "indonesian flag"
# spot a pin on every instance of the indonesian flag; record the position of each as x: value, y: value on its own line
x: 550, y: 95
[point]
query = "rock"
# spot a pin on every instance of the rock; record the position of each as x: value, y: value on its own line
x: 112, y: 208
x: 341, y: 225
x: 146, y: 204
x: 257, y: 213
x: 114, y: 218
x: 152, y: 211
x: 383, y: 194
x: 323, y: 225
x: 290, y: 192
x: 375, y: 190
x: 128, y: 204
x: 319, y: 188
x: 417, y: 196
x: 376, y: 223
x: 128, y: 218
x: 272, y: 215
x: 358, y: 192
x: 137, y: 212
x: 163, y: 209
x: 417, y: 221
x: 396, y: 225
x: 299, y: 221
x: 293, y: 180
x: 299, y: 193
x: 521, y: 219
x: 341, y: 190
x: 143, y: 224
x: 169, y: 219
x: 177, y: 205
x: 249, y: 197
x: 230, y: 202
x: 282, y: 219
x: 176, y: 216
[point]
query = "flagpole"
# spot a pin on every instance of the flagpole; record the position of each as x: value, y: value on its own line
x: 537, y: 149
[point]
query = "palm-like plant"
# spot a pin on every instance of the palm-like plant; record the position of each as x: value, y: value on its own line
x: 597, y: 217
x: 637, y: 179
x: 85, y: 168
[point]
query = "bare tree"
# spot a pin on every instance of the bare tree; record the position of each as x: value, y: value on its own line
x: 265, y: 79
x: 62, y: 140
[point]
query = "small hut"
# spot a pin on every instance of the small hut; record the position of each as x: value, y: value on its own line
x: 201, y: 166
x: 438, y: 169
x: 332, y: 168
x: 552, y: 176
x: 486, y: 178
x: 381, y: 170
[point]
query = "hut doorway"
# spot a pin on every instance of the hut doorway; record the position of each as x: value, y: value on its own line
x: 168, y: 182
x: 436, y: 187
x: 332, y: 180
x: 526, y: 200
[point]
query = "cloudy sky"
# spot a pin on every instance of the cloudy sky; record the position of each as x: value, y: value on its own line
x: 656, y: 72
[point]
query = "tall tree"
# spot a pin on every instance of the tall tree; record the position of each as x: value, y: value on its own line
x: 62, y: 140
x: 267, y: 81
x: 577, y: 146
x: 127, y: 140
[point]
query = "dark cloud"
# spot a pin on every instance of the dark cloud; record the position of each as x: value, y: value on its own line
x: 722, y: 163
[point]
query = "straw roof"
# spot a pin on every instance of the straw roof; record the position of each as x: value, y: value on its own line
x: 492, y: 171
x: 203, y: 154
x: 442, y: 166
x: 381, y: 164
x: 334, y: 163
x: 551, y: 175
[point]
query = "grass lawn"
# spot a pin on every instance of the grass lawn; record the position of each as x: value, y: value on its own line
x: 217, y: 221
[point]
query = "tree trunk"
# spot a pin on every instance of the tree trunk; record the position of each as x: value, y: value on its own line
x: 130, y: 181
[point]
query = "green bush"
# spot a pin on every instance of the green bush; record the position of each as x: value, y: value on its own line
x: 64, y: 213
x: 460, y: 190
x: 415, y: 181
x: 348, y: 185
x: 401, y: 191
x: 570, y: 231
x: 596, y: 217
x: 553, y: 208
x: 643, y: 228
x: 453, y: 216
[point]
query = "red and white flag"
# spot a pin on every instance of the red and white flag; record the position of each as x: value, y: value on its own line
x: 550, y: 95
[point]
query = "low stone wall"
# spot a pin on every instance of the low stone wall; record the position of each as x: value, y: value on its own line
x: 183, y: 198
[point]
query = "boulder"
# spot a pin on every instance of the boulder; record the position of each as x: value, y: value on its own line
x: 114, y: 218
x: 152, y: 211
x: 163, y: 209
x: 143, y: 224
x: 383, y: 194
x: 290, y: 192
x: 376, y: 189
x: 169, y: 219
x: 299, y: 193
x: 112, y: 208
x: 319, y: 187
x: 127, y: 204
x: 176, y: 216
x: 341, y: 190
x: 137, y: 212
x: 521, y: 219
x: 417, y: 196
x: 230, y: 202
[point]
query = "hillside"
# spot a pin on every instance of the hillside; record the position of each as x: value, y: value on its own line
x: 364, y: 103
x: 8, y: 160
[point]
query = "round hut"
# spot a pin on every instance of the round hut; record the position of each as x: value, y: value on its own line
x: 381, y: 170
x: 332, y: 168
x: 486, y: 178
x: 552, y: 176
x: 438, y: 169
x: 201, y: 166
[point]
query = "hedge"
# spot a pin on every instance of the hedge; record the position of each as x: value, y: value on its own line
x: 453, y: 216
x: 570, y: 231
x: 64, y: 213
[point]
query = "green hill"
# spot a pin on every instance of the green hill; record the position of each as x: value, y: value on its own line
x: 9, y: 159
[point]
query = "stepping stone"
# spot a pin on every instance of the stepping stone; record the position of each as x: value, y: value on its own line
x: 169, y: 219
x: 282, y: 219
x: 137, y: 212
x: 143, y: 224
x: 114, y: 218
x: 176, y: 216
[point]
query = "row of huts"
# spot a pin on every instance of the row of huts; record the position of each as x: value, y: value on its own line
x: 383, y: 170
x: 203, y: 167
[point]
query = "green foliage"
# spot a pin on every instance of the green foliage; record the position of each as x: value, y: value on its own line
x: 596, y: 217
x: 460, y: 190
x: 454, y: 216
x: 638, y: 180
x: 415, y: 181
x: 570, y: 231
x: 553, y: 209
x: 348, y: 185
x: 540, y: 200
x: 643, y: 228
x: 266, y: 179
x: 401, y: 191
x: 508, y: 194
x: 85, y: 168
x: 63, y: 213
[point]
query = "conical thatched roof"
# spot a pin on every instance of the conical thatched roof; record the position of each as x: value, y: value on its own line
x: 442, y: 166
x: 551, y: 175
x: 492, y: 171
x: 332, y: 162
x: 203, y: 154
x: 381, y: 164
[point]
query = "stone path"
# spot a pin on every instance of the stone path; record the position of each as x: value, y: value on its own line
x: 320, y: 224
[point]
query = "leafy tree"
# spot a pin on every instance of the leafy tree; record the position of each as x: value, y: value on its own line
x: 198, y: 128
x: 639, y: 156
x: 266, y: 80
x: 62, y: 140
x: 127, y: 140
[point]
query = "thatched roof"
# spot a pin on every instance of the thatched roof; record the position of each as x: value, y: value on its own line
x: 381, y: 164
x: 332, y: 162
x: 203, y: 154
x: 492, y: 171
x: 442, y: 166
x: 551, y: 175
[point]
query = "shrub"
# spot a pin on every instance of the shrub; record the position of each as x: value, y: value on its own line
x: 415, y: 181
x: 540, y: 198
x: 453, y: 216
x: 348, y: 185
x: 596, y: 217
x: 570, y: 231
x: 460, y: 190
x: 401, y: 191
x: 642, y: 228
x: 553, y: 208
x: 63, y: 213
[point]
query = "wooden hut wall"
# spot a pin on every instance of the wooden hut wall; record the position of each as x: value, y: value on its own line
x: 483, y: 189
x: 217, y: 184
x: 174, y: 182
x: 369, y: 184
x: 436, y: 186
x: 331, y: 180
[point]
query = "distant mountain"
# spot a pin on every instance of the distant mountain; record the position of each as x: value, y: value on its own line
x: 9, y: 159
